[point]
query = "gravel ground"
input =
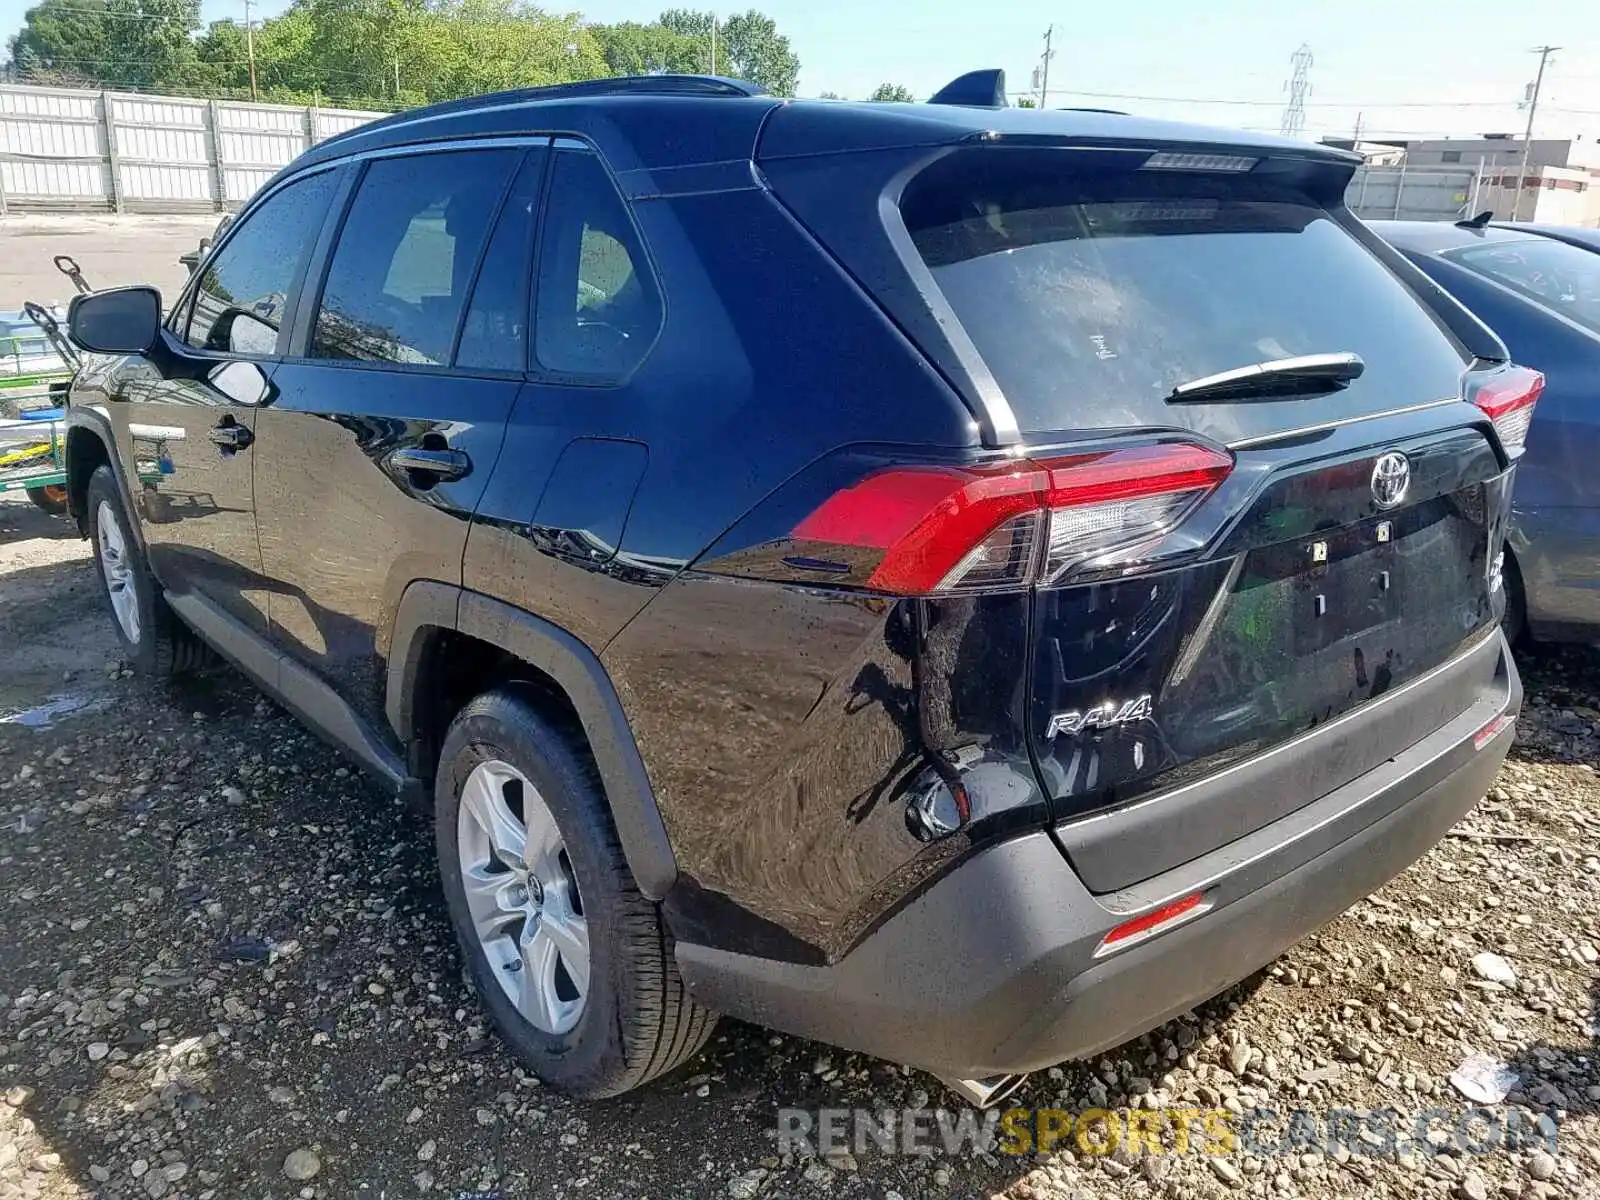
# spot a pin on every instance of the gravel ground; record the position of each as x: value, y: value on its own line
x: 226, y: 972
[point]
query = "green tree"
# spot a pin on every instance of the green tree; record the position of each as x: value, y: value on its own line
x: 62, y: 42
x: 749, y: 46
x: 473, y: 46
x: 634, y: 49
x: 891, y: 92
x: 139, y: 44
x: 222, y: 55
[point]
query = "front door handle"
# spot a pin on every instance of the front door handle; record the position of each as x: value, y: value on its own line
x: 432, y: 466
x: 231, y: 436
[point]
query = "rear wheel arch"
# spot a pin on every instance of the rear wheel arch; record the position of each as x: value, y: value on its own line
x: 450, y: 645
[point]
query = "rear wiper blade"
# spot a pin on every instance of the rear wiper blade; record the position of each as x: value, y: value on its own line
x: 1303, y: 374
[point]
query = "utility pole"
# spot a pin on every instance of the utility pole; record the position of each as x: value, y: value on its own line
x: 1044, y: 68
x: 1544, y: 53
x: 250, y: 49
x: 713, y: 43
x: 397, y: 77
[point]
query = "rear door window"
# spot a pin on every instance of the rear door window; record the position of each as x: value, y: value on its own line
x: 494, y: 336
x: 1091, y: 294
x: 407, y: 255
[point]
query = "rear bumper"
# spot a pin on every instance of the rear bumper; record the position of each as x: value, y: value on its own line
x: 993, y: 969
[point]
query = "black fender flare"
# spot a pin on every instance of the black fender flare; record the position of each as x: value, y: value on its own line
x: 576, y: 670
x: 98, y: 425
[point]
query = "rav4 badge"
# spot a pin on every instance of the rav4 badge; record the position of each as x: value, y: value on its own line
x: 1101, y: 716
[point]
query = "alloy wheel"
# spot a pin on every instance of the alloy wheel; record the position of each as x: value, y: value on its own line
x: 523, y: 897
x: 118, y: 572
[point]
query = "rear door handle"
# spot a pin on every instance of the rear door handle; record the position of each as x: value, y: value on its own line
x: 431, y: 464
x: 231, y: 436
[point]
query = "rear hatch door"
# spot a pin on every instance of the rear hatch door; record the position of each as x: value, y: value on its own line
x: 1350, y: 551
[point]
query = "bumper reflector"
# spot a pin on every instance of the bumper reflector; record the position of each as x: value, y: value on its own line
x: 1153, y: 922
x: 1487, y: 734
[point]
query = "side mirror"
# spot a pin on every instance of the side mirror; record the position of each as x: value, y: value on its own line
x: 119, y: 321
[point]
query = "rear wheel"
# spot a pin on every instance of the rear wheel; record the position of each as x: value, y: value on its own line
x: 571, y: 962
x: 1515, y: 622
x: 51, y: 498
x: 153, y: 639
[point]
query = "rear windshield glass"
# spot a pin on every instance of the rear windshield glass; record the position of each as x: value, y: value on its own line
x: 1090, y: 294
x: 1555, y: 274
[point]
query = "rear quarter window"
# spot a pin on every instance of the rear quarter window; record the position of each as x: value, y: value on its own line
x: 1091, y: 294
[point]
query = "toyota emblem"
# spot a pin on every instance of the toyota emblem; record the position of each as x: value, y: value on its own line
x: 1391, y: 476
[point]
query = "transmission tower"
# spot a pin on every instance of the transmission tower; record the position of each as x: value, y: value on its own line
x: 1298, y: 85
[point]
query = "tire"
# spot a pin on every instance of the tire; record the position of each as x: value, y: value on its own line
x: 634, y: 1020
x: 152, y: 637
x: 1515, y: 622
x: 52, y: 499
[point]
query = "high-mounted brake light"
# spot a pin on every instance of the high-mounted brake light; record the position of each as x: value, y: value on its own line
x: 943, y: 529
x: 1508, y: 397
x: 1176, y: 160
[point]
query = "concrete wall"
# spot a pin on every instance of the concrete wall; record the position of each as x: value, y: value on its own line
x: 1403, y: 194
x: 68, y: 149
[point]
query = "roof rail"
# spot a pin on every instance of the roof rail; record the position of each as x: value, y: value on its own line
x: 618, y: 85
x: 647, y: 85
x: 975, y: 89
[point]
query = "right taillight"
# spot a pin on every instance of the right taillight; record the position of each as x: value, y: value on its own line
x: 954, y: 529
x: 1507, y: 396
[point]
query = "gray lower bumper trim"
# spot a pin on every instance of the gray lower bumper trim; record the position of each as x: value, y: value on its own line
x: 991, y: 971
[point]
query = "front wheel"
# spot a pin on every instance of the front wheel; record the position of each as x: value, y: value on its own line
x: 572, y: 963
x: 152, y: 637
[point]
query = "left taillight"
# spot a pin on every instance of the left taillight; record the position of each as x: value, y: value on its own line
x: 948, y: 529
x: 1508, y: 396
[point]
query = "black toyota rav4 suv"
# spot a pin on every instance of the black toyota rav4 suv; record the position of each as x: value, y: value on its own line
x: 963, y: 583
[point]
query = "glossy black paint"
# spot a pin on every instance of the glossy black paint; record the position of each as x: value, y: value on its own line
x: 624, y: 537
x: 194, y: 497
x: 1313, y: 602
x: 344, y: 527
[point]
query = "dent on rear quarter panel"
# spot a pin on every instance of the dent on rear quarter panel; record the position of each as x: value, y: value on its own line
x: 738, y: 692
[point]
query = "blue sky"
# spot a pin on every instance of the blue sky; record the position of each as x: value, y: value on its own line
x: 1423, y: 67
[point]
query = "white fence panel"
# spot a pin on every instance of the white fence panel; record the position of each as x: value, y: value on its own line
x: 69, y: 184
x: 36, y: 137
x: 326, y: 122
x: 239, y: 183
x: 1417, y: 194
x: 170, y: 185
x: 259, y: 149
x: 52, y: 148
x: 68, y: 148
